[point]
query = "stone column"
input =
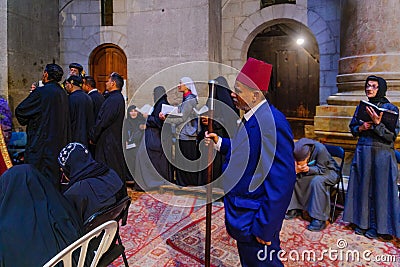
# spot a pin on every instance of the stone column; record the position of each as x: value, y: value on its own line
x: 3, y: 50
x: 369, y: 44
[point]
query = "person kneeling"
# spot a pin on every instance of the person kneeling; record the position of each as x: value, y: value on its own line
x: 316, y: 172
x: 91, y: 184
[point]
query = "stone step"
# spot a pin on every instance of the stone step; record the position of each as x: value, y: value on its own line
x: 334, y: 110
x: 332, y: 124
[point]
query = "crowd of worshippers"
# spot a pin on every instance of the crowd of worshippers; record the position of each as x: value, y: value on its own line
x: 75, y: 146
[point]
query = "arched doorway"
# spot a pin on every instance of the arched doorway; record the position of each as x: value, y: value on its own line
x: 104, y: 60
x: 294, y: 88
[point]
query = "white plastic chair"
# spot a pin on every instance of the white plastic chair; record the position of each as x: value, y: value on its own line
x: 109, y: 228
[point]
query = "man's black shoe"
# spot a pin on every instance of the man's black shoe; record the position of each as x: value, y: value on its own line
x: 291, y: 214
x: 316, y: 225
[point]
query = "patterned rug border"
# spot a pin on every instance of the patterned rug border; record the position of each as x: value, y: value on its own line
x: 172, y: 245
x: 173, y: 225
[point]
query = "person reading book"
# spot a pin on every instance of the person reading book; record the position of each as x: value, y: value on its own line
x: 388, y: 117
x: 372, y: 201
x: 186, y: 125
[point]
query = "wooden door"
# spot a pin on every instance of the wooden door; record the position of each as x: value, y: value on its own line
x: 104, y: 60
x: 295, y: 83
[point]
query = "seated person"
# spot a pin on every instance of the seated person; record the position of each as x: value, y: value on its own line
x: 91, y: 184
x: 36, y: 221
x: 316, y: 172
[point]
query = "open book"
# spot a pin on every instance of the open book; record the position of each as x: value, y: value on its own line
x: 146, y: 109
x: 389, y: 117
x: 170, y: 110
x: 202, y: 110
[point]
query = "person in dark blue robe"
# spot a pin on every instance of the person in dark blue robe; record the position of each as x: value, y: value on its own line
x: 80, y: 110
x: 259, y: 174
x: 45, y: 112
x: 372, y: 201
x: 92, y: 186
x: 106, y: 134
x: 37, y: 221
x: 153, y: 167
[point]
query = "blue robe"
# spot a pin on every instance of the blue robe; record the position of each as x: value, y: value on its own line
x: 372, y: 197
x: 260, y: 154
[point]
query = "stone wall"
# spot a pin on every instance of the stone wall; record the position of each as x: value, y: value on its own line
x: 153, y: 34
x: 32, y: 42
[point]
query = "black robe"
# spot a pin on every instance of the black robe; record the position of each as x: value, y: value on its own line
x: 107, y: 133
x: 81, y: 115
x: 153, y: 167
x: 92, y: 185
x: 97, y: 100
x: 36, y: 222
x: 46, y: 113
x: 132, y: 136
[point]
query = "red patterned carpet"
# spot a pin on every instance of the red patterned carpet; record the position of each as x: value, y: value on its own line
x: 154, y: 223
x: 298, y: 243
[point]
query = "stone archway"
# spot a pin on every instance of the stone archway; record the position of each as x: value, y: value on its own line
x: 244, y: 34
x: 294, y: 87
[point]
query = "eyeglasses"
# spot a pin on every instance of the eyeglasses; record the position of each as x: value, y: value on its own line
x: 371, y: 86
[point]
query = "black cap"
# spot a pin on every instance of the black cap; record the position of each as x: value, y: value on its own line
x: 76, y: 66
x: 75, y: 80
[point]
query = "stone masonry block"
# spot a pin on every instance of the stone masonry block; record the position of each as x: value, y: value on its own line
x: 249, y: 7
x: 266, y: 13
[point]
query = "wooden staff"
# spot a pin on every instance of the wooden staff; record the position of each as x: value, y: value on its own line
x: 211, y: 90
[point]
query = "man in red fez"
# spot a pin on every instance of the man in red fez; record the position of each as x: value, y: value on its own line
x: 259, y: 172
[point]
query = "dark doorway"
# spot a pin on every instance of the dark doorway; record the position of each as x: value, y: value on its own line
x: 294, y: 88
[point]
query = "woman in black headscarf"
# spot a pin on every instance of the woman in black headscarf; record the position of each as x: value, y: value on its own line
x: 224, y: 124
x: 36, y: 221
x: 372, y: 201
x: 92, y: 185
x: 153, y: 168
x: 134, y: 126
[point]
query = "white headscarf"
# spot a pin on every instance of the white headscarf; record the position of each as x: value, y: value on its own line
x: 190, y: 85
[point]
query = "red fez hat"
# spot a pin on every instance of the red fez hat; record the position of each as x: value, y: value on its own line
x: 255, y: 74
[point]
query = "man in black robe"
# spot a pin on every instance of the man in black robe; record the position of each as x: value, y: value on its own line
x: 80, y: 110
x: 45, y: 112
x: 89, y: 86
x: 76, y: 69
x: 106, y: 134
